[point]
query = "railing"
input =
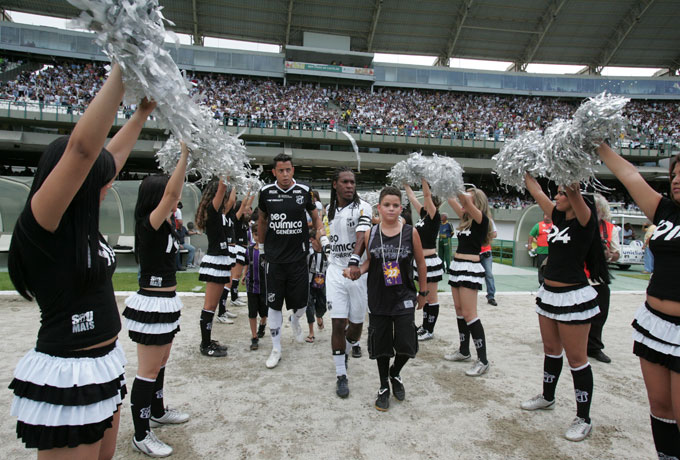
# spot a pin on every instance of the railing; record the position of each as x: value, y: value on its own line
x: 652, y: 147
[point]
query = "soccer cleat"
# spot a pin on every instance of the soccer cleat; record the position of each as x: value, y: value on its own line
x: 356, y: 351
x: 477, y: 369
x: 382, y: 402
x: 223, y: 318
x: 238, y: 303
x: 214, y: 350
x: 171, y: 417
x: 230, y: 314
x: 151, y: 446
x: 457, y: 356
x: 297, y: 329
x: 273, y: 359
x: 342, y: 386
x: 398, y: 389
x: 427, y: 335
x: 254, y: 343
x: 538, y: 402
x: 260, y: 330
x: 579, y: 430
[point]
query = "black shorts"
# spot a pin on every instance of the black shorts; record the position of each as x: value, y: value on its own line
x: 287, y: 281
x: 388, y: 335
x: 256, y: 305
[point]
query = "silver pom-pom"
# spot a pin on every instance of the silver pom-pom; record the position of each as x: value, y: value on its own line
x: 444, y: 174
x: 372, y: 198
x: 600, y: 118
x: 132, y: 33
x: 525, y: 153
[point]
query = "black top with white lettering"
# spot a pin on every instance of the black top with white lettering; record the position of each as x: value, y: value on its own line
x: 568, y: 244
x: 394, y: 300
x: 470, y: 240
x: 215, y: 226
x: 71, y: 317
x: 428, y: 228
x: 157, y: 251
x: 665, y: 245
x: 230, y: 226
x: 241, y: 232
x: 287, y: 237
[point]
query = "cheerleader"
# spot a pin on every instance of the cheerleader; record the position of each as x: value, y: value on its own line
x: 656, y: 326
x: 67, y: 391
x: 428, y: 230
x: 467, y: 273
x: 566, y: 303
x: 152, y: 314
x: 215, y: 265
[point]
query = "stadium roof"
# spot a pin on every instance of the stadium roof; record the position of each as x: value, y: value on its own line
x: 593, y: 33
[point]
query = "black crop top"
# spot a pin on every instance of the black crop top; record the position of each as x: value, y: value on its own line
x: 470, y: 241
x: 665, y: 245
x: 428, y: 229
x: 215, y: 226
x: 157, y: 251
x: 568, y: 244
x: 71, y: 317
x: 241, y: 232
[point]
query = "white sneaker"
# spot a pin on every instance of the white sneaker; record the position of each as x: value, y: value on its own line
x: 223, y: 318
x: 274, y: 358
x: 230, y: 314
x: 171, y: 417
x: 579, y: 430
x: 425, y: 336
x: 537, y: 402
x: 297, y: 329
x: 238, y: 303
x: 477, y: 369
x: 151, y: 446
x: 457, y: 356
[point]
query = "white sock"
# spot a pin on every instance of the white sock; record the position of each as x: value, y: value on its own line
x: 348, y: 346
x: 275, y: 320
x: 340, y: 368
x: 299, y: 313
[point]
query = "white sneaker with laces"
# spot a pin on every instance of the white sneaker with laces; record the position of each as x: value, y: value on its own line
x: 457, y: 356
x: 297, y: 329
x: 151, y: 446
x: 426, y: 336
x: 273, y: 359
x: 537, y: 402
x: 223, y: 318
x: 579, y: 430
x: 171, y: 417
x: 230, y: 314
x: 238, y: 303
x: 477, y: 369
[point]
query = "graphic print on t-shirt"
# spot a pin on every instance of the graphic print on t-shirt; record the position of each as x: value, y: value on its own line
x: 559, y: 236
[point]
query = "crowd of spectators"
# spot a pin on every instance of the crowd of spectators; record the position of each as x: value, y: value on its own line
x: 243, y: 101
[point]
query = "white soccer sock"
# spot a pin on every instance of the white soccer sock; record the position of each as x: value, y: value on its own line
x: 340, y: 368
x: 275, y: 320
x: 299, y: 313
x: 348, y: 346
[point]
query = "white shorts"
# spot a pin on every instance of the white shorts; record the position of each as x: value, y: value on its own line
x: 346, y: 298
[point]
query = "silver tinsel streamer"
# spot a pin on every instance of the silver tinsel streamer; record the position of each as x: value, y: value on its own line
x: 444, y: 174
x: 132, y: 33
x: 355, y: 147
x: 567, y: 152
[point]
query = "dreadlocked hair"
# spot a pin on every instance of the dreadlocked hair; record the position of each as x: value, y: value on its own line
x: 332, y: 207
x: 206, y: 200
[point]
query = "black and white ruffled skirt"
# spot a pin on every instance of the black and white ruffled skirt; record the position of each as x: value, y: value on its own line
x: 215, y: 269
x: 67, y: 400
x: 152, y: 317
x: 656, y: 337
x: 466, y: 273
x: 240, y: 254
x: 569, y: 304
x: 435, y: 269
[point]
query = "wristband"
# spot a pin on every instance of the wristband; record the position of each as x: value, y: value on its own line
x: 423, y: 293
x: 354, y: 260
x: 324, y: 240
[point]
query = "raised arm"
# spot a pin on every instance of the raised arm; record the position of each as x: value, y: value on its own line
x: 218, y: 199
x: 124, y: 141
x: 427, y: 199
x: 470, y: 208
x: 245, y: 204
x: 644, y: 196
x: 534, y: 188
x: 577, y: 203
x: 412, y: 198
x: 231, y: 199
x: 84, y: 146
x: 457, y: 208
x: 173, y: 191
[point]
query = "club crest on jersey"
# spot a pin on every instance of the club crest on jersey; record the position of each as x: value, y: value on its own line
x: 299, y: 199
x: 271, y: 297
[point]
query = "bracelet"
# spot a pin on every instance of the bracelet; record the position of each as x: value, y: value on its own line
x: 354, y: 260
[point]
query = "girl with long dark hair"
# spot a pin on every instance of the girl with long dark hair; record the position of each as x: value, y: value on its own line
x: 67, y: 391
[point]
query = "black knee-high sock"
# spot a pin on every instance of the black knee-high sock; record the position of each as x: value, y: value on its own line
x: 464, y: 335
x: 552, y: 367
x: 666, y: 437
x: 140, y: 405
x: 222, y: 306
x: 157, y: 405
x: 477, y: 332
x: 206, y: 326
x: 384, y: 371
x: 398, y: 365
x: 583, y: 387
x: 426, y: 311
x: 234, y: 289
x: 432, y: 316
